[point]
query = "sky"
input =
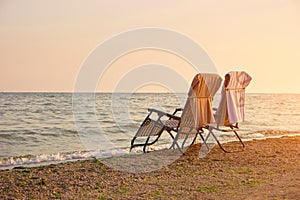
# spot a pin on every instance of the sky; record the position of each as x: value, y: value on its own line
x: 43, y: 44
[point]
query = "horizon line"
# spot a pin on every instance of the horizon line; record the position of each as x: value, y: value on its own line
x: 150, y: 92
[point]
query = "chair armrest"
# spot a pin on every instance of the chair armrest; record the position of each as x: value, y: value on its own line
x: 177, y: 110
x: 161, y: 113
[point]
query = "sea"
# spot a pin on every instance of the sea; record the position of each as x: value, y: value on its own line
x: 45, y: 128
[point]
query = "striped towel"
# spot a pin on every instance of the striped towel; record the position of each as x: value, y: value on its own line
x: 231, y: 107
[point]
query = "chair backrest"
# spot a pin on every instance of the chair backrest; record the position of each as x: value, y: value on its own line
x: 232, y: 103
x: 198, y: 112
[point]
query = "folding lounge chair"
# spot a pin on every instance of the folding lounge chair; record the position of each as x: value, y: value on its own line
x: 196, y: 115
x: 152, y: 127
x: 231, y: 108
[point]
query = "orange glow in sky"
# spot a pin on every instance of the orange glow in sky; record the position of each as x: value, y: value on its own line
x: 44, y: 43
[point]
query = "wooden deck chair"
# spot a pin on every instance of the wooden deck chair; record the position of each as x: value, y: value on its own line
x: 196, y: 115
x: 231, y: 108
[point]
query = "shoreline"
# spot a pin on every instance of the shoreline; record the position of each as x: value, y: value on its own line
x: 91, y: 157
x: 266, y: 169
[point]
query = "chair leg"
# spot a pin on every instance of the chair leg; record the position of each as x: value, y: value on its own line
x: 210, y: 132
x: 172, y: 136
x: 236, y: 134
x: 131, y: 144
x: 218, y: 142
x: 175, y: 143
x: 203, y: 140
x: 198, y: 133
x: 144, y: 145
x: 186, y: 137
x: 153, y: 142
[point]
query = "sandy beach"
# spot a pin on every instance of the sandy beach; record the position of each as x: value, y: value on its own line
x: 266, y: 169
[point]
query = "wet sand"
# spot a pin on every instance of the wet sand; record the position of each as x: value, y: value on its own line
x: 266, y: 169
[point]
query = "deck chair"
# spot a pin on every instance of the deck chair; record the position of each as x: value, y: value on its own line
x: 195, y: 116
x: 231, y: 108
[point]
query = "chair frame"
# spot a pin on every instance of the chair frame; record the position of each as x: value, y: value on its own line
x: 168, y: 129
x: 153, y: 130
x: 233, y: 128
x: 158, y: 121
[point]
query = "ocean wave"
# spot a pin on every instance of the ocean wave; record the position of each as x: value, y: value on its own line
x: 47, y: 159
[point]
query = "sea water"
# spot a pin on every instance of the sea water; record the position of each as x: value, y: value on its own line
x: 40, y: 128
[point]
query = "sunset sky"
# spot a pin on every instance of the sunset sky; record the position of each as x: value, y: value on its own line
x: 44, y: 43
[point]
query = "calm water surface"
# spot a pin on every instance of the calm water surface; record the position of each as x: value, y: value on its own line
x: 39, y: 127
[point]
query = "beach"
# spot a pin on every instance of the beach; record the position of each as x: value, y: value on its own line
x: 106, y: 100
x: 265, y: 169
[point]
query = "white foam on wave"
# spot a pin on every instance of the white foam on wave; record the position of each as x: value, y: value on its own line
x: 253, y: 135
x: 46, y: 159
x: 54, y: 158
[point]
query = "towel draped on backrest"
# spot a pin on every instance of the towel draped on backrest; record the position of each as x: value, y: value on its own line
x: 198, y: 111
x: 231, y: 107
